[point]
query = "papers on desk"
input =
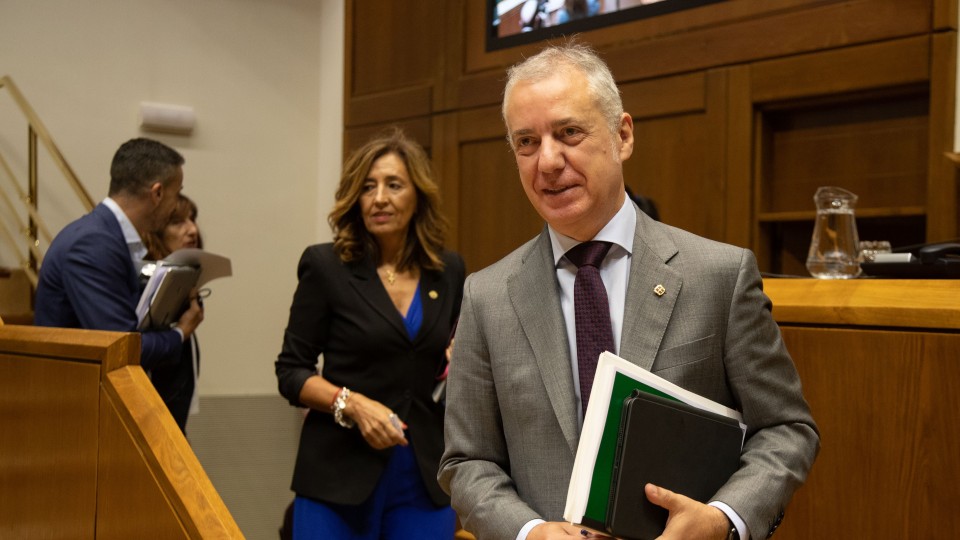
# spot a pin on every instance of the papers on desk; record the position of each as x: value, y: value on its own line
x: 590, y: 494
x: 168, y: 289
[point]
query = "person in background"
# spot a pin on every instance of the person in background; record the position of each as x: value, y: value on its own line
x: 177, y: 382
x: 577, y: 9
x: 645, y: 204
x: 378, y: 304
x: 686, y: 308
x: 90, y: 274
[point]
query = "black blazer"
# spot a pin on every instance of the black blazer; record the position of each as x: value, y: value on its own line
x: 343, y: 312
x: 175, y: 383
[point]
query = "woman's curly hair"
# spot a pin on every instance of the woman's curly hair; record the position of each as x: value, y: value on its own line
x: 428, y: 227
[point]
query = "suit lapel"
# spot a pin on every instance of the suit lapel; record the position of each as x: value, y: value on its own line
x: 647, y: 313
x: 533, y: 292
x: 364, y: 279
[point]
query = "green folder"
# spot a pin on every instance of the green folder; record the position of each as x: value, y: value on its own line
x: 595, y: 514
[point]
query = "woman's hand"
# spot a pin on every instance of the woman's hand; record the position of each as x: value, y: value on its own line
x: 449, y: 350
x: 373, y: 421
x: 192, y: 317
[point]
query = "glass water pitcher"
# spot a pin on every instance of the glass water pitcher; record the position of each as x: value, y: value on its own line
x: 834, y: 248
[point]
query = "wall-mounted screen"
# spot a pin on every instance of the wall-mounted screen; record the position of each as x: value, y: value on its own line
x: 516, y: 22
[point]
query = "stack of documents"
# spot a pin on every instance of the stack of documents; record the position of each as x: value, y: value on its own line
x: 657, y: 437
x: 168, y: 290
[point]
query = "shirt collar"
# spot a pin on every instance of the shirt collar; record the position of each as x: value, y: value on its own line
x: 130, y: 235
x: 619, y: 231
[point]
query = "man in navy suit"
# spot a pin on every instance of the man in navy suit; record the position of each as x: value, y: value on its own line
x: 89, y: 278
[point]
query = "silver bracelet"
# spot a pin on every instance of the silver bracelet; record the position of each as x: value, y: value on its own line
x: 339, y: 405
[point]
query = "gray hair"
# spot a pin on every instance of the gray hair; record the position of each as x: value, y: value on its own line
x: 577, y: 56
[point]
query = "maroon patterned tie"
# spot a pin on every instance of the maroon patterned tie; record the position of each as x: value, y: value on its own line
x: 591, y: 312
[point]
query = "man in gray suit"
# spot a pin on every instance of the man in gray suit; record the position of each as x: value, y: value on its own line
x: 686, y: 308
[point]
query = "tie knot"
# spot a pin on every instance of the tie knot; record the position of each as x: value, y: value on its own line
x: 588, y: 253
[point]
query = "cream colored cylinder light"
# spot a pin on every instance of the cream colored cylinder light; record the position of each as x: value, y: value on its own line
x: 167, y: 118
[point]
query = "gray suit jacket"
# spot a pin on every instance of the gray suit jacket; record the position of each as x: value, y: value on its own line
x: 511, y: 426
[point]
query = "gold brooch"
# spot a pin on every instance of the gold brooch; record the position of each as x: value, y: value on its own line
x: 433, y: 295
x: 659, y: 290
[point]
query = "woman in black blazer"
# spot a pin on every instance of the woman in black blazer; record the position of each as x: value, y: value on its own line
x: 378, y: 304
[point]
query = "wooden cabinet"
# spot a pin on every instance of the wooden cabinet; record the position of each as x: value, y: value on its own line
x: 866, y: 127
x: 742, y: 109
x: 878, y: 361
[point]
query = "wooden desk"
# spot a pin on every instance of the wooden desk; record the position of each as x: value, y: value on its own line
x: 880, y: 365
x: 87, y: 447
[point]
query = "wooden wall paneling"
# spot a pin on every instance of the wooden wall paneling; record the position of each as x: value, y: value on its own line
x: 390, y: 106
x: 785, y: 33
x: 451, y: 67
x: 666, y: 96
x: 394, y: 44
x: 886, y: 405
x: 47, y: 406
x: 349, y: 55
x: 875, y: 147
x: 880, y: 65
x: 942, y: 189
x: 738, y: 172
x: 763, y: 238
x: 483, y: 124
x: 945, y: 14
x: 715, y: 153
x: 395, y: 59
x: 495, y: 216
x: 419, y: 129
x: 721, y: 34
x: 670, y: 165
x: 669, y: 162
x: 446, y: 165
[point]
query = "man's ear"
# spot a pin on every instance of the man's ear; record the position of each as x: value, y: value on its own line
x: 156, y: 192
x: 626, y: 136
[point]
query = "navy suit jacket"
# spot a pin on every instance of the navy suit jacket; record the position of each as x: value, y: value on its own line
x: 88, y: 281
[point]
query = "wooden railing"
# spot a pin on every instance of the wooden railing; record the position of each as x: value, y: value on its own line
x: 87, y: 447
x: 32, y: 231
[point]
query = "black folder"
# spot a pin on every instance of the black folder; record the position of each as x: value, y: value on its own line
x: 172, y: 296
x: 673, y: 445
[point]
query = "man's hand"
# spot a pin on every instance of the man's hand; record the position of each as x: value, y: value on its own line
x: 192, y: 317
x: 553, y: 530
x: 688, y: 518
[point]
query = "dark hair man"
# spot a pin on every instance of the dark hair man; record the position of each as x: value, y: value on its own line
x: 89, y: 277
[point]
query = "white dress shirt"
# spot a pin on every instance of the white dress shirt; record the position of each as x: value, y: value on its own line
x: 134, y: 242
x: 615, y: 273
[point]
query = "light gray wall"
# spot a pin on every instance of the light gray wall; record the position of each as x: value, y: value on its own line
x: 265, y: 78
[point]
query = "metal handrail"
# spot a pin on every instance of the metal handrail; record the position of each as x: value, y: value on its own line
x: 36, y: 131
